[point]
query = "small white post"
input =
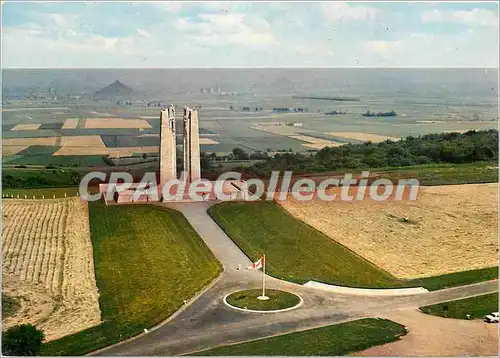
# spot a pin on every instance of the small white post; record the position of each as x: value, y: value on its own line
x: 33, y: 197
x: 25, y: 196
x: 43, y: 196
x: 18, y: 196
x: 64, y: 194
x: 54, y: 196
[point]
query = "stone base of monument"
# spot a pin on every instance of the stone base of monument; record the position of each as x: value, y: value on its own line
x: 263, y: 298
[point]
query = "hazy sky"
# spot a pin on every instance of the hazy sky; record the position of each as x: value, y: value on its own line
x: 237, y: 34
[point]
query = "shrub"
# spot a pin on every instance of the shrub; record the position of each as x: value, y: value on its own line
x: 22, y: 340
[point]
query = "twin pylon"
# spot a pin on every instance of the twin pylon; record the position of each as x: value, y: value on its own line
x: 191, y: 144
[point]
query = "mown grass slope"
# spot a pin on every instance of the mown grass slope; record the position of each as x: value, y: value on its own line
x: 476, y: 307
x: 148, y: 260
x: 297, y: 252
x: 336, y: 340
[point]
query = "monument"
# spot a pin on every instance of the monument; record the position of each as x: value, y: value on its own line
x: 168, y: 167
x: 168, y: 163
x: 191, y: 145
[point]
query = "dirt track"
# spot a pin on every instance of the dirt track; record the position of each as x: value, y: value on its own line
x: 48, y: 265
x: 450, y: 228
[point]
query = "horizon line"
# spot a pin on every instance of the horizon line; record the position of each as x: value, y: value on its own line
x: 249, y: 67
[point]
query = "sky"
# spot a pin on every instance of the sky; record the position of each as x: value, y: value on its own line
x: 248, y: 34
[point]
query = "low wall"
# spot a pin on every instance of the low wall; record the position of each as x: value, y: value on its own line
x: 366, y: 291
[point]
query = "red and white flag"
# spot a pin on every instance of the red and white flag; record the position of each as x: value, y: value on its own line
x: 257, y: 265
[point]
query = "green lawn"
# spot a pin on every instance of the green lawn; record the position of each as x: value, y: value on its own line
x: 336, y: 340
x: 444, y: 174
x: 10, y: 305
x: 25, y: 178
x: 148, y: 260
x: 297, y: 252
x: 476, y: 307
x: 456, y: 279
x: 60, y: 160
x: 277, y: 300
x: 48, y: 193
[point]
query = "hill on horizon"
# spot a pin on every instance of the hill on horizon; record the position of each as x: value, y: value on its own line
x: 115, y: 89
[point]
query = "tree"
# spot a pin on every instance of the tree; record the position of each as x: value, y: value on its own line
x: 240, y: 154
x: 205, y: 162
x: 22, y: 340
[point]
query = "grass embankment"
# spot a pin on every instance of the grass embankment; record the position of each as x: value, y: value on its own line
x: 476, y: 307
x: 456, y: 279
x: 298, y: 253
x: 295, y: 251
x: 25, y: 178
x: 336, y: 340
x: 277, y: 300
x: 10, y: 305
x: 47, y: 193
x: 444, y: 174
x: 148, y: 260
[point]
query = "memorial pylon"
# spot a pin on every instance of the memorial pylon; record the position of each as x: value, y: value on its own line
x: 168, y: 166
x: 191, y: 145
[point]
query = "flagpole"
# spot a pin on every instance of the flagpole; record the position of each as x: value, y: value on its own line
x: 264, y: 277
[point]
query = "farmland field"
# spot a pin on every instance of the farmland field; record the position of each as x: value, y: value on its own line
x: 364, y: 137
x: 450, y: 228
x: 48, y: 265
x: 148, y: 260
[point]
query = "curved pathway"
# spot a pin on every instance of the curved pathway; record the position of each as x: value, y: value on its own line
x: 207, y: 322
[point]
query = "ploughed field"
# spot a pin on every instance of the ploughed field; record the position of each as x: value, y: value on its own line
x: 447, y: 229
x: 48, y: 266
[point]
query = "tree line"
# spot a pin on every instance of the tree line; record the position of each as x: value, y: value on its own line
x: 455, y: 148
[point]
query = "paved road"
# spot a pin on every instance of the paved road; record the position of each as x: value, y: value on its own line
x: 208, y: 323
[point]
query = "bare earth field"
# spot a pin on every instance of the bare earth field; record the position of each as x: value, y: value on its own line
x: 70, y: 123
x: 203, y: 140
x: 26, y: 127
x: 50, y: 141
x: 48, y: 265
x: 100, y: 123
x: 365, y: 137
x: 435, y: 336
x: 315, y: 143
x: 79, y: 145
x: 12, y: 149
x: 83, y: 141
x: 115, y: 152
x: 450, y: 228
